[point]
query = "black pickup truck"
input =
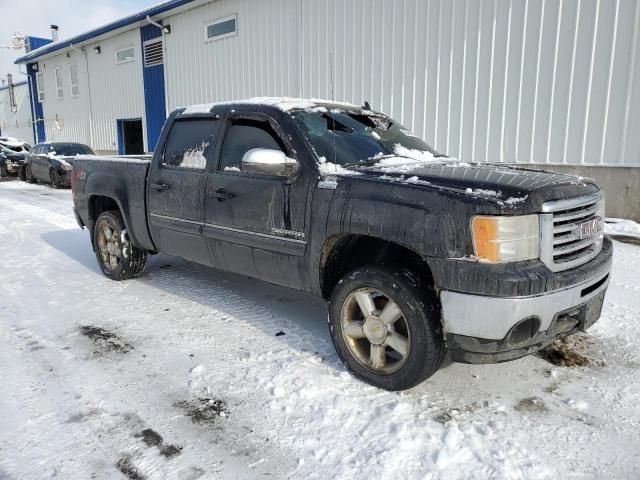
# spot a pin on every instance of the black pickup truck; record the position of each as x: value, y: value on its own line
x: 420, y: 256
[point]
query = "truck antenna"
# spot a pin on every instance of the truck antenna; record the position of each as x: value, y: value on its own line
x: 333, y: 98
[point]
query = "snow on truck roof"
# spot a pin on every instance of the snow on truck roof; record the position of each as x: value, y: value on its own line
x: 282, y: 103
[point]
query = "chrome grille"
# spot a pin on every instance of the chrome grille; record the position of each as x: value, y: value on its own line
x: 562, y: 245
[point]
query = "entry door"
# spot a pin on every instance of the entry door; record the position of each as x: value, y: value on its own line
x: 130, y: 140
x: 176, y: 189
x: 255, y: 224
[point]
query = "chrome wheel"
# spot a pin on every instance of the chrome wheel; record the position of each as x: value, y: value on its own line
x: 375, y: 330
x: 109, y: 246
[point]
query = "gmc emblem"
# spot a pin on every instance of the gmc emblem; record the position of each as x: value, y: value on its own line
x: 589, y: 228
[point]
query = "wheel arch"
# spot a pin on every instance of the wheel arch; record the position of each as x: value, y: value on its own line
x: 342, y: 253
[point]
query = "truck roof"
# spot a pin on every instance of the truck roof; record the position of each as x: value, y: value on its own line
x: 281, y: 103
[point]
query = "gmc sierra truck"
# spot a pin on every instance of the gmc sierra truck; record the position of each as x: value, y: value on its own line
x: 419, y: 256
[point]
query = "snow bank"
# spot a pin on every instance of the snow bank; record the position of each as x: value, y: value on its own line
x: 620, y: 226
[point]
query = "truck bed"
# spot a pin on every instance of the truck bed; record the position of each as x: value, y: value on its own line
x: 120, y: 178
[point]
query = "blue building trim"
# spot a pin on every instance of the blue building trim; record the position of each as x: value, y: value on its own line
x: 154, y: 91
x: 123, y: 22
x: 37, y: 112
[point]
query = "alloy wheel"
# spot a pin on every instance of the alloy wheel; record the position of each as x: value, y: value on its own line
x: 375, y: 330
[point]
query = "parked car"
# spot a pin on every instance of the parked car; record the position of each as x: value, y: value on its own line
x: 15, y: 144
x: 52, y: 162
x: 418, y: 255
x: 10, y: 161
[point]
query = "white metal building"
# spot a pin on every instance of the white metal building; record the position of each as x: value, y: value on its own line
x: 534, y: 82
x: 15, y: 112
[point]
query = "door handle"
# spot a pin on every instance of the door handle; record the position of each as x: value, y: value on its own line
x: 161, y: 187
x: 221, y: 194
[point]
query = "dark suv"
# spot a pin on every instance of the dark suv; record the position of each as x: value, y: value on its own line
x: 52, y: 162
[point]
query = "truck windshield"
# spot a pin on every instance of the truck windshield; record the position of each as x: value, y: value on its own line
x: 353, y: 137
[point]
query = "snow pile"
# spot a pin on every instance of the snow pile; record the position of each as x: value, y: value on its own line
x: 483, y: 192
x: 199, y: 108
x: 619, y: 226
x: 329, y: 168
x: 194, y: 157
x: 515, y: 200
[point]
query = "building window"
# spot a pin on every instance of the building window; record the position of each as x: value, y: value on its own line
x: 124, y: 55
x: 221, y: 28
x: 40, y: 82
x: 73, y: 75
x: 59, y: 89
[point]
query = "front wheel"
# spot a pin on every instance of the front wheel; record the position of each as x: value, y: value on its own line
x: 386, y: 328
x: 54, y: 177
x: 118, y: 258
x: 3, y: 171
x: 28, y: 174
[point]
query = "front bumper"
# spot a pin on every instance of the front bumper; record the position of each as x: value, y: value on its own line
x: 13, y: 166
x: 488, y: 329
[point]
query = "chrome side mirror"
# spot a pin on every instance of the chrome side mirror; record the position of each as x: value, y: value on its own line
x: 265, y: 161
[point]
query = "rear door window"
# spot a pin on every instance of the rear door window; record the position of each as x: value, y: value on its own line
x: 243, y: 135
x: 189, y: 143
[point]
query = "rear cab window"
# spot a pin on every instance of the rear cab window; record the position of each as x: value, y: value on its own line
x: 190, y: 143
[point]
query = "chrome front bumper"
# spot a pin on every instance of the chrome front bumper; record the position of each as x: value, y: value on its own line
x: 493, y: 317
x: 482, y: 329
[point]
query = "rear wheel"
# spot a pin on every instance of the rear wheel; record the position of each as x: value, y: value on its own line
x: 118, y: 258
x: 386, y: 328
x: 54, y: 177
x: 28, y: 174
x: 3, y: 171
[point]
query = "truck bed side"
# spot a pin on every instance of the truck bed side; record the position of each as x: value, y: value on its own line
x: 103, y: 183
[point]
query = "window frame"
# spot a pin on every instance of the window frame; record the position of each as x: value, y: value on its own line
x: 212, y: 152
x: 209, y: 39
x: 74, y: 85
x: 57, y: 75
x: 260, y: 117
x: 124, y: 49
x: 40, y: 86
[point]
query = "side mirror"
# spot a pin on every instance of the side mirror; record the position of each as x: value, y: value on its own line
x: 265, y: 161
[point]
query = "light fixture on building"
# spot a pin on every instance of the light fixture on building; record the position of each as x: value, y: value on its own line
x: 34, y: 67
x: 97, y: 49
x: 166, y: 29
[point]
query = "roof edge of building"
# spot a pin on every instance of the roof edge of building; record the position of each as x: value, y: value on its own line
x: 104, y: 29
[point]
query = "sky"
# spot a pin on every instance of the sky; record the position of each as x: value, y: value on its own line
x: 33, y: 17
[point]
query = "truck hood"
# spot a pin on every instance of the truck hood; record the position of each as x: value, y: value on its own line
x: 502, y: 184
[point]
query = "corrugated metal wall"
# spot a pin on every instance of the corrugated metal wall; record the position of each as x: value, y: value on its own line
x: 545, y: 81
x: 263, y: 59
x: 16, y: 124
x: 116, y: 92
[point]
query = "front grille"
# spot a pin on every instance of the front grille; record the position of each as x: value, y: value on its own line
x: 562, y: 243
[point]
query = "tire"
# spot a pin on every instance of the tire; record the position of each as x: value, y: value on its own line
x: 54, y: 177
x: 28, y: 175
x: 118, y: 260
x: 365, y: 346
x: 3, y: 171
x: 21, y: 174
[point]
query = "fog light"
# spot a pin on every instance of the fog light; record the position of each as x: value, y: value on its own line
x: 523, y: 332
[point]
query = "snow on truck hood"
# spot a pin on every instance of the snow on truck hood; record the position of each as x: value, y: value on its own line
x: 503, y: 184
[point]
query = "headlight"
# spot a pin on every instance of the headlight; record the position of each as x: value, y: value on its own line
x: 506, y: 239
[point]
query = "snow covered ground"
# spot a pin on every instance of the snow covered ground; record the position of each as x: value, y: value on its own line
x: 183, y: 373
